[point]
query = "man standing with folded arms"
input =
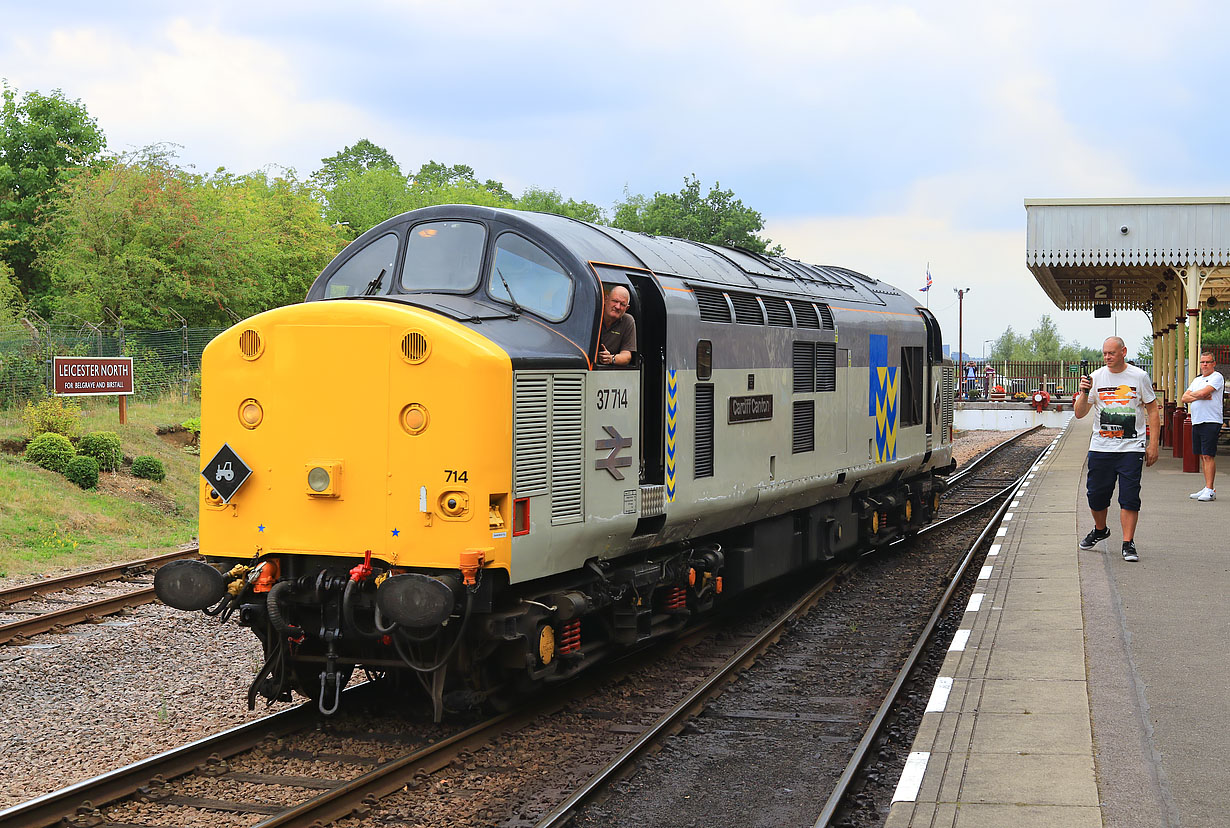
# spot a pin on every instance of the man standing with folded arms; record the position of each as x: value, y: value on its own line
x: 1203, y: 400
x: 1121, y: 397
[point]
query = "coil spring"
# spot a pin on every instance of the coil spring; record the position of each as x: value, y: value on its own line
x: 677, y: 598
x: 570, y: 637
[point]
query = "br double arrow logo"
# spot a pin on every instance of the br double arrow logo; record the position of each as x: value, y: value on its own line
x: 613, y: 462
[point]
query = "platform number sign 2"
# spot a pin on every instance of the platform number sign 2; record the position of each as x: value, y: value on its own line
x: 226, y: 472
x: 1101, y: 292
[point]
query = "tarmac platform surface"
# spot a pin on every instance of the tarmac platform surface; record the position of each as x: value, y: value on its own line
x: 1082, y: 690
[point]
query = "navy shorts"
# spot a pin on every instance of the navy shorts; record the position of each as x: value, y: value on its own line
x: 1204, y: 438
x: 1107, y: 467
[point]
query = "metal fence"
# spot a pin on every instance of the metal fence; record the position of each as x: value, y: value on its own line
x: 1056, y: 377
x: 163, y: 362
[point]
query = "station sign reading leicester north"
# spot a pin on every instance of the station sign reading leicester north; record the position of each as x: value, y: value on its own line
x: 85, y: 376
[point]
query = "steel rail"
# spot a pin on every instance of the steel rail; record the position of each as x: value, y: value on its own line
x: 24, y: 592
x: 877, y: 723
x: 980, y: 459
x: 75, y: 614
x: 49, y: 809
x: 693, y: 701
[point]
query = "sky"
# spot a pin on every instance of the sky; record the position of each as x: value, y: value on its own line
x: 885, y: 137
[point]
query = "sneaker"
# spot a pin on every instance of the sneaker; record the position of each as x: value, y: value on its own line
x: 1207, y: 495
x: 1091, y: 540
x: 1129, y: 552
x: 1196, y: 495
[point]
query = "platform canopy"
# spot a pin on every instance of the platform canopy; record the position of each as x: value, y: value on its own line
x: 1168, y: 257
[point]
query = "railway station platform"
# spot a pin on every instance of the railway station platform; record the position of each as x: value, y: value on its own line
x: 1084, y: 691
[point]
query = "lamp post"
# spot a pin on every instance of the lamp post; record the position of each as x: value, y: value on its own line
x: 960, y: 327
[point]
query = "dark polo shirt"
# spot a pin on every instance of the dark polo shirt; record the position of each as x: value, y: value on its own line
x: 621, y: 336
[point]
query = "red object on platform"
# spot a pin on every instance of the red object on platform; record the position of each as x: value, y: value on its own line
x: 1176, y: 429
x: 1191, y: 460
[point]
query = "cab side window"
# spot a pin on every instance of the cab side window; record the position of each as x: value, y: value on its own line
x: 525, y: 275
x: 369, y: 271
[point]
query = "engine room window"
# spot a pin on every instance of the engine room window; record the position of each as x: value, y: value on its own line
x: 704, y: 359
x: 523, y: 274
x: 443, y: 256
x: 369, y: 271
x: 912, y: 390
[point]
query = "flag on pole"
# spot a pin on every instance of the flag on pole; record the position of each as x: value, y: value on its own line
x: 928, y: 285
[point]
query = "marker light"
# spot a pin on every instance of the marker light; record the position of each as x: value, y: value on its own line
x: 250, y: 413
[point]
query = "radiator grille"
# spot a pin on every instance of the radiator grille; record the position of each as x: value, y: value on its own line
x: 567, y: 447
x: 747, y: 309
x: 826, y: 315
x: 778, y: 311
x: 805, y: 314
x: 804, y: 363
x: 826, y: 366
x: 713, y: 307
x: 530, y: 422
x: 704, y: 431
x: 804, y: 426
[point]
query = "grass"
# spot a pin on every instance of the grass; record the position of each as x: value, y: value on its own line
x: 49, y: 525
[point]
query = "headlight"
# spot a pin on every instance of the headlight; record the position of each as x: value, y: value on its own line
x: 319, y: 480
x: 250, y: 413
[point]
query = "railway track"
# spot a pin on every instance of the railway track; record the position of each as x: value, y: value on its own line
x: 66, y: 611
x: 294, y: 769
x: 990, y: 472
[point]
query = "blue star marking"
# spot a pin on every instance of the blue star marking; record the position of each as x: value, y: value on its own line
x: 396, y: 532
x: 261, y: 528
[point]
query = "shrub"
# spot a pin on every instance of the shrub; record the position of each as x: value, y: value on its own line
x: 83, y: 471
x: 148, y: 467
x: 52, y: 414
x: 51, y: 451
x: 103, y: 446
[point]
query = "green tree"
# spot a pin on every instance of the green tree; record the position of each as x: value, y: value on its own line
x: 551, y: 201
x: 43, y: 140
x: 141, y: 240
x: 359, y: 158
x: 10, y: 296
x: 1144, y: 350
x: 1044, y: 340
x: 716, y: 218
x: 1010, y: 345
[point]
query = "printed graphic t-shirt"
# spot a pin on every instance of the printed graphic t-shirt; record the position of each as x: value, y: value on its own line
x: 1119, y: 409
x: 1207, y: 411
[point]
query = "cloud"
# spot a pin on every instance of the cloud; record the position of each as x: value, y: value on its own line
x: 227, y: 98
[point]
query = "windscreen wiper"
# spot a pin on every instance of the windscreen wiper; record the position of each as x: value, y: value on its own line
x: 374, y: 284
x: 511, y: 298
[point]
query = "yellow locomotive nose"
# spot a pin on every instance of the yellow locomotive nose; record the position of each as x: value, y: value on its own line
x: 350, y: 418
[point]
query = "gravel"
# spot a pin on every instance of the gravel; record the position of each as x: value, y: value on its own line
x: 101, y: 696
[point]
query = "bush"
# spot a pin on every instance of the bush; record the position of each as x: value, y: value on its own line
x: 83, y: 471
x: 103, y: 446
x: 51, y: 451
x: 52, y: 414
x: 148, y: 467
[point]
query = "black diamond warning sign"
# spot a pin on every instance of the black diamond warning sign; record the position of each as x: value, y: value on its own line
x: 225, y: 473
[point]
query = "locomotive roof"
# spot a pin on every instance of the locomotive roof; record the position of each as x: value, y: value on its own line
x: 694, y: 262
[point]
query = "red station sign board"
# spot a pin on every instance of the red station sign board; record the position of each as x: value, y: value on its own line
x: 93, y: 376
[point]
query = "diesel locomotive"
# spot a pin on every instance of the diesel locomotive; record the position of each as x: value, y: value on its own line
x: 422, y: 471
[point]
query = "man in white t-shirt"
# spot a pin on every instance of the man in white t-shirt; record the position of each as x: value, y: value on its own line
x: 1121, y: 397
x: 1203, y: 400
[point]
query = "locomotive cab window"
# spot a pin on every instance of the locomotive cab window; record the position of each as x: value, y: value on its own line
x: 443, y: 257
x: 367, y: 272
x: 523, y: 274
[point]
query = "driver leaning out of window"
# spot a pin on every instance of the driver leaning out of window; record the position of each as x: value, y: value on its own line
x: 617, y: 343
